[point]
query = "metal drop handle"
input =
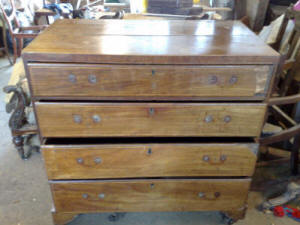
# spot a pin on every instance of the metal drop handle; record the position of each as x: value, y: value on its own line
x: 213, y: 79
x: 227, y: 119
x: 97, y: 160
x: 72, y: 78
x: 207, y: 159
x: 96, y: 118
x: 233, y: 80
x: 203, y: 195
x: 77, y: 118
x: 92, y: 79
x: 208, y: 119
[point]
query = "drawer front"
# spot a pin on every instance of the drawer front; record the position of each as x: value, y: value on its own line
x: 149, y: 81
x: 152, y: 160
x: 145, y: 119
x: 150, y: 195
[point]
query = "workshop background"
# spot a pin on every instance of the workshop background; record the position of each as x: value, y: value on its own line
x: 25, y: 197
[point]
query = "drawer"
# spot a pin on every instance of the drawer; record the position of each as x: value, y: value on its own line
x: 149, y: 82
x: 150, y: 195
x: 148, y: 160
x: 149, y: 119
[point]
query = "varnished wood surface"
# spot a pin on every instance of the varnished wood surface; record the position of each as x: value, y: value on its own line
x: 157, y: 28
x: 61, y: 218
x: 149, y: 119
x: 64, y: 80
x: 150, y: 195
x: 148, y: 160
x: 149, y: 42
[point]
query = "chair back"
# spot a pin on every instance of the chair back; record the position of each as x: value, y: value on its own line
x: 295, y: 35
x: 11, y: 20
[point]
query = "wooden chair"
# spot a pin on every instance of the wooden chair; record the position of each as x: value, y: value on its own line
x: 17, y: 32
x: 280, y: 97
x: 18, y: 103
x: 5, y: 46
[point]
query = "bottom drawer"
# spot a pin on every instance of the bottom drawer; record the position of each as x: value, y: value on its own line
x: 150, y: 195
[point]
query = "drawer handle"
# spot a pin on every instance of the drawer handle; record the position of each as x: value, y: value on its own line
x: 72, y: 78
x: 92, y: 79
x: 206, y: 158
x: 96, y: 118
x: 79, y: 161
x: 213, y: 80
x: 227, y: 119
x: 208, y: 119
x: 233, y: 80
x: 85, y: 196
x: 77, y: 118
x: 205, y: 196
x: 98, y: 160
x: 222, y: 159
x: 101, y: 195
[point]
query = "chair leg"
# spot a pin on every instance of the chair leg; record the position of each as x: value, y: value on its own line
x: 5, y: 45
x: 295, y: 155
x: 20, y: 46
x: 15, y: 48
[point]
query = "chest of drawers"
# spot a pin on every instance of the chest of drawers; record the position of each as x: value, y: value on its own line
x: 149, y: 115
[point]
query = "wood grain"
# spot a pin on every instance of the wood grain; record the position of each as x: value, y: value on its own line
x: 53, y: 80
x: 151, y: 42
x: 150, y: 195
x: 151, y: 160
x: 149, y: 119
x: 61, y: 218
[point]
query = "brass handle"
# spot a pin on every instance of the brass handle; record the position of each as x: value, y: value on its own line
x: 92, y: 79
x: 72, y: 78
x: 207, y: 159
x: 206, y: 196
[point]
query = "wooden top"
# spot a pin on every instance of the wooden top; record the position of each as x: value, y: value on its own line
x: 149, y: 42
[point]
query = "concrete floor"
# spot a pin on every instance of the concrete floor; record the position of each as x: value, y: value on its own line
x: 25, y: 196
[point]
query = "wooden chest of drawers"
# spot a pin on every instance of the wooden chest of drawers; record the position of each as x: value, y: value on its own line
x: 149, y: 115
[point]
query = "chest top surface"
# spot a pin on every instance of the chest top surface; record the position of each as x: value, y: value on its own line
x: 149, y: 42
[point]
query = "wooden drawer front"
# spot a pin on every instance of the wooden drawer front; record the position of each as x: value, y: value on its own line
x: 148, y: 81
x: 150, y: 195
x: 145, y: 119
x: 152, y: 160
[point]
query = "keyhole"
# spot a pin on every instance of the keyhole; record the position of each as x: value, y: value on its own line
x: 151, y: 111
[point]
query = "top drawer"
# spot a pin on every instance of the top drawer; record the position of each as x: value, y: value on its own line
x: 149, y: 82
